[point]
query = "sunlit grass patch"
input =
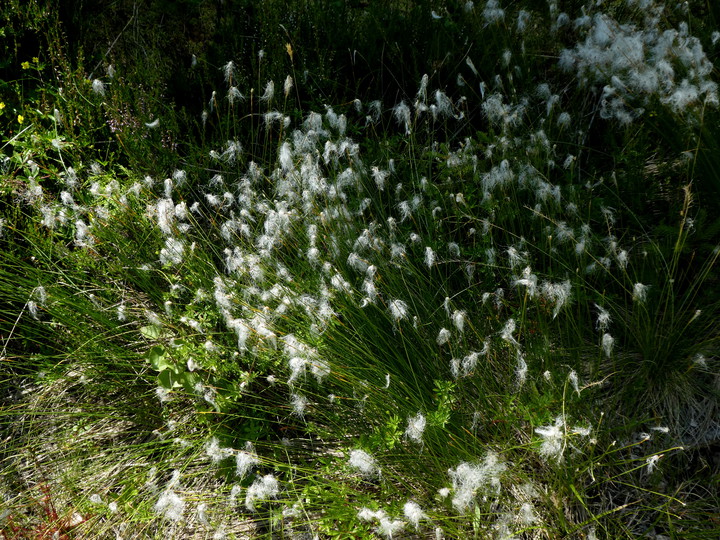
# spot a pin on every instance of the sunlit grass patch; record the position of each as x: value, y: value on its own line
x: 475, y: 310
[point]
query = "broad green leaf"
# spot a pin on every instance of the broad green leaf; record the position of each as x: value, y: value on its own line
x: 189, y: 380
x: 151, y: 332
x: 169, y: 380
x: 158, y: 360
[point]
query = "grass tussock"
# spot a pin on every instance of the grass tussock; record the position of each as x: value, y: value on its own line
x: 295, y: 300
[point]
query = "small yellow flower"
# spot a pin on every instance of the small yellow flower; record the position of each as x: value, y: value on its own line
x: 35, y: 60
x: 25, y: 65
x: 2, y: 105
x: 21, y: 118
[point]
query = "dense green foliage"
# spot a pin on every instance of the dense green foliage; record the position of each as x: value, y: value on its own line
x: 359, y: 269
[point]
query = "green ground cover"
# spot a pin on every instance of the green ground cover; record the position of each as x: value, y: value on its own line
x: 319, y: 269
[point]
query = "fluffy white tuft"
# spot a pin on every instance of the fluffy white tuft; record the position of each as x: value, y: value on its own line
x: 364, y: 462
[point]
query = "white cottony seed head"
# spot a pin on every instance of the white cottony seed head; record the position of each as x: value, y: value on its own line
x: 402, y: 115
x: 443, y: 336
x: 98, y: 87
x: 507, y: 332
x: 287, y: 87
x: 607, y: 344
x: 640, y: 292
x: 246, y: 460
x: 269, y: 92
x: 652, y: 463
x: 364, y: 462
x: 521, y: 370
x: 398, y: 310
x: 413, y: 513
x: 264, y: 488
x: 458, y: 318
x: 552, y: 445
x: 603, y: 319
x: 229, y: 71
x: 215, y: 452
x: 469, y: 479
x: 573, y: 378
x: 429, y: 257
x: 170, y: 505
x: 416, y: 427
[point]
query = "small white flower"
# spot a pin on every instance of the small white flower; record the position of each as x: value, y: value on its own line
x: 172, y: 253
x: 563, y: 120
x: 422, y: 92
x: 700, y: 360
x: 163, y: 394
x: 515, y: 257
x: 582, y: 431
x: 492, y: 12
x: 366, y: 514
x: 388, y: 527
x: 507, y: 55
x: 622, y: 258
x: 446, y: 305
x: 471, y: 65
x: 522, y: 20
x: 455, y: 367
